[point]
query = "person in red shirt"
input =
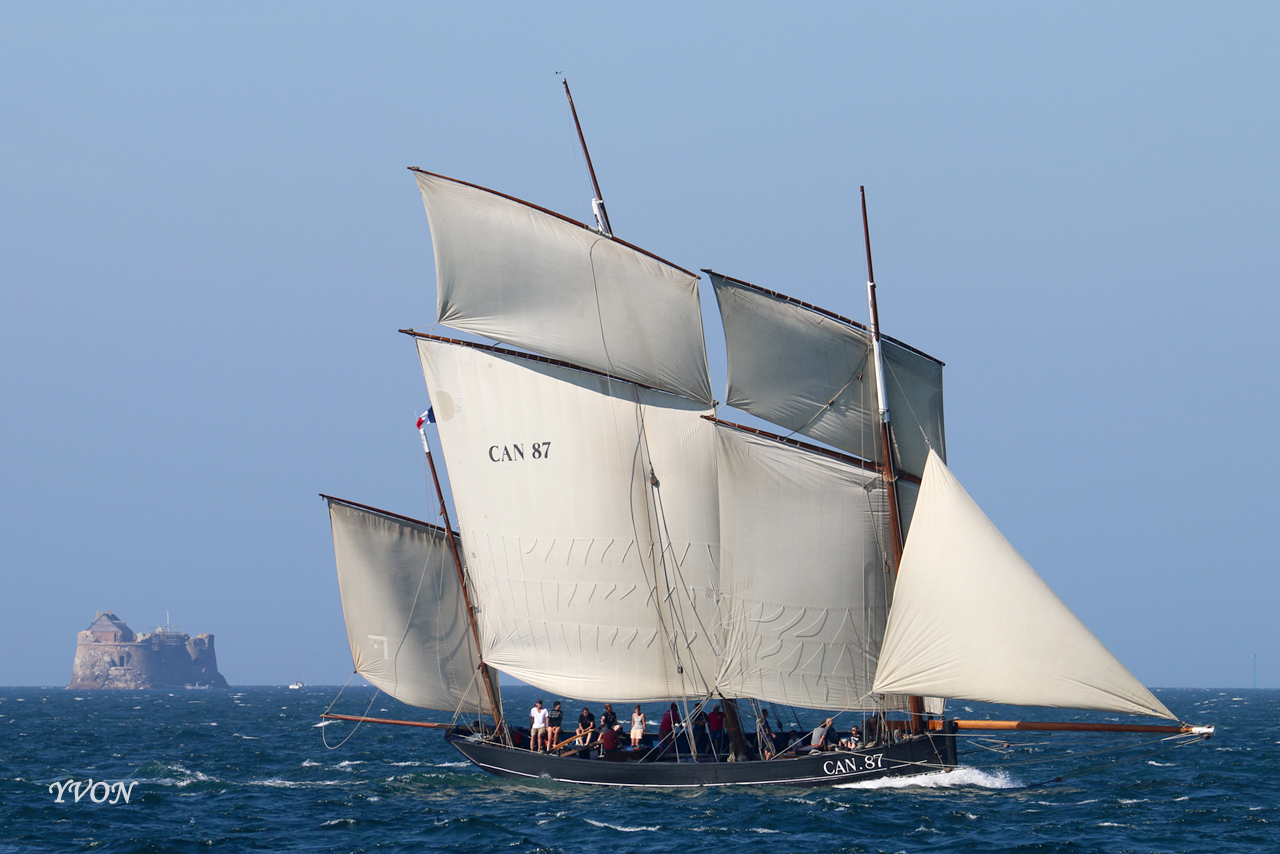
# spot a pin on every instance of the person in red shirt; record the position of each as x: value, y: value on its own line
x: 670, y: 720
x: 715, y: 726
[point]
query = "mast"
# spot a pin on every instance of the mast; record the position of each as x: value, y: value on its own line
x: 486, y: 675
x: 597, y: 204
x: 886, y: 442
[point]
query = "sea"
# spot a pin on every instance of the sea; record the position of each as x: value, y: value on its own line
x: 256, y: 769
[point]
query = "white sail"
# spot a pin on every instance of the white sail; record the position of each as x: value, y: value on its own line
x: 404, y: 610
x: 803, y: 540
x: 972, y: 620
x: 589, y: 580
x: 813, y: 372
x: 525, y: 276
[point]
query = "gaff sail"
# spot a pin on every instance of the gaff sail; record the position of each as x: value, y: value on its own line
x: 588, y: 512
x: 405, y: 614
x: 971, y: 619
x: 803, y: 574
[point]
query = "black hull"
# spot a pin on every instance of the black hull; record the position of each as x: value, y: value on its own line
x: 922, y: 755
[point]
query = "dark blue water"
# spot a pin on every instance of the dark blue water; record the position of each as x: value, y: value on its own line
x: 247, y: 770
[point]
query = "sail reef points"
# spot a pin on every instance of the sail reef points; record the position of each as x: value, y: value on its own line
x: 109, y: 655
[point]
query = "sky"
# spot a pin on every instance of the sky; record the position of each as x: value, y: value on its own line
x: 208, y: 241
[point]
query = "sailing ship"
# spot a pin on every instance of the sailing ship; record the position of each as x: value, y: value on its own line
x: 619, y: 541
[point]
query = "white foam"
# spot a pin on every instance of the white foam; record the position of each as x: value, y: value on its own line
x: 622, y: 828
x: 324, y: 723
x: 1161, y: 764
x: 307, y: 763
x: 961, y: 776
x: 277, y: 783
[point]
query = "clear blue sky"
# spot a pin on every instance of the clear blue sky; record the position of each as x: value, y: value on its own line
x: 208, y: 240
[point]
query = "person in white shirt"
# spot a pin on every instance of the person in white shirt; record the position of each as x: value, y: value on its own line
x: 538, y: 728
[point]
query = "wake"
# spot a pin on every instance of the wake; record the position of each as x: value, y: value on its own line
x: 961, y: 777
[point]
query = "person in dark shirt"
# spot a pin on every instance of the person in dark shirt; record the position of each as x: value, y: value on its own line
x: 699, y: 724
x: 586, y: 724
x: 608, y: 720
x: 555, y: 720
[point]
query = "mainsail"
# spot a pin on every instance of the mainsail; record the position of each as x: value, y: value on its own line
x: 588, y: 512
x: 971, y: 619
x: 803, y: 574
x: 811, y: 371
x: 404, y: 610
x: 526, y: 276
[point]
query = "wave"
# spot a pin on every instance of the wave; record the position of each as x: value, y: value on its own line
x: 621, y: 827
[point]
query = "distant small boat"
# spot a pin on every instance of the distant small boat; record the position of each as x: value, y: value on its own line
x: 293, y: 686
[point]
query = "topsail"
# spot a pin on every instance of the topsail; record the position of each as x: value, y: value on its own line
x: 813, y: 372
x: 525, y: 276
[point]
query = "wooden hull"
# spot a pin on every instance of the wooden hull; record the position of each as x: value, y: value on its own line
x: 921, y: 755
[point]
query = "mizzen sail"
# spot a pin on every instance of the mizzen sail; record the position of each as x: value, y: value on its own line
x: 404, y: 610
x: 971, y: 619
x: 522, y: 275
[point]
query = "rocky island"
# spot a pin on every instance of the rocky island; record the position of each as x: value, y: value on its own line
x: 110, y: 655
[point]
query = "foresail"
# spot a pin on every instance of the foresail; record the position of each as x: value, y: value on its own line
x: 525, y: 276
x: 972, y: 620
x: 404, y: 610
x: 587, y: 510
x: 810, y: 371
x: 803, y: 574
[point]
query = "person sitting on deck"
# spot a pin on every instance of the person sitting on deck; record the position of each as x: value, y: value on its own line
x: 854, y: 739
x: 823, y: 736
x: 537, y: 728
x: 555, y: 721
x: 586, y: 725
x: 609, y: 739
x: 608, y: 720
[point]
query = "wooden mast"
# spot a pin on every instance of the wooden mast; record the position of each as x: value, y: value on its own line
x: 887, y: 470
x: 486, y: 675
x: 597, y: 204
